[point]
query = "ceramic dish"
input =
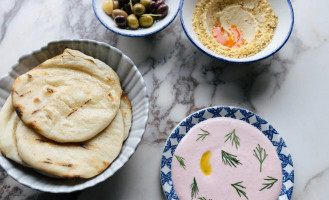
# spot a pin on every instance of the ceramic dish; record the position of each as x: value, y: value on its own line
x: 109, y: 23
x: 231, y: 112
x: 132, y: 83
x: 282, y: 8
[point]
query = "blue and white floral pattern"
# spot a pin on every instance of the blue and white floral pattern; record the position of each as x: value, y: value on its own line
x: 231, y: 112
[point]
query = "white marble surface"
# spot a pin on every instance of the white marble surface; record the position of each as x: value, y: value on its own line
x: 289, y: 89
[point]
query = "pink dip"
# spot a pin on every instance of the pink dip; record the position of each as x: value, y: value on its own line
x: 217, y: 184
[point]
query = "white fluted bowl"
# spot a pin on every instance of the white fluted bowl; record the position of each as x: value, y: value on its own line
x: 132, y: 83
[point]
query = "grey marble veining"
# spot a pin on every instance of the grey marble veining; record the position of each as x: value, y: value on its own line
x: 289, y: 89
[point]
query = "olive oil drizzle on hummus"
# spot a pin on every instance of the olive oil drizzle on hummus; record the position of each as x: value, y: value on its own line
x: 232, y: 38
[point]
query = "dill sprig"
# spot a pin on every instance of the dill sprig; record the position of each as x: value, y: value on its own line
x: 239, y: 189
x: 181, y: 161
x: 258, y: 153
x: 194, y: 189
x: 203, y: 198
x: 202, y: 136
x: 233, y: 138
x: 230, y: 159
x: 270, y: 184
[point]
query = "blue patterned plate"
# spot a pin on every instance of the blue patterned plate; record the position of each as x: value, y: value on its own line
x: 231, y: 112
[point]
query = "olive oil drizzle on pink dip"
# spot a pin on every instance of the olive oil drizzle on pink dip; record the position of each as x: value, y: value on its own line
x: 226, y: 159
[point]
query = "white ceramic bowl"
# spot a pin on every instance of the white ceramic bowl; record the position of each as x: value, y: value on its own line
x: 109, y: 23
x: 282, y: 8
x: 132, y: 83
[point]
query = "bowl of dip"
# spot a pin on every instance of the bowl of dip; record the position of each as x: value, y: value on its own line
x: 237, y: 31
x: 226, y: 152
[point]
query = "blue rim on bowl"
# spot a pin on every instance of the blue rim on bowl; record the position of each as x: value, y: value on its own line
x: 189, y: 35
x: 231, y: 112
x: 169, y: 18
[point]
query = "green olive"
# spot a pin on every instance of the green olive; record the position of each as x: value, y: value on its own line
x: 146, y: 3
x: 146, y: 21
x: 138, y: 9
x: 108, y: 6
x: 115, y: 4
x: 119, y: 12
x: 133, y: 21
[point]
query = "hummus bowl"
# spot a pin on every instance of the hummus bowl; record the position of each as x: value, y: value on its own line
x: 132, y: 83
x: 265, y: 26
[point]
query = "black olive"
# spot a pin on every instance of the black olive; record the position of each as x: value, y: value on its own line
x: 126, y: 7
x: 121, y: 20
x: 162, y: 10
x: 152, y: 7
x: 158, y: 3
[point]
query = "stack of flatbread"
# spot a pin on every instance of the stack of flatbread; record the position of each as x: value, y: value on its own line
x: 67, y: 117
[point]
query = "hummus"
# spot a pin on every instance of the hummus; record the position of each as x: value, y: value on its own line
x: 234, y: 28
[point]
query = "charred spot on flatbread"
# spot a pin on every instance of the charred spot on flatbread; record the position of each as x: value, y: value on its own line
x: 18, y: 111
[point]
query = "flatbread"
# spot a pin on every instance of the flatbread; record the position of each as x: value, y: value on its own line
x: 69, y: 98
x: 8, y: 124
x: 125, y: 108
x: 69, y: 160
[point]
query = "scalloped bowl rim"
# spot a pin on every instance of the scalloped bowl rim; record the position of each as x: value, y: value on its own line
x: 10, y: 166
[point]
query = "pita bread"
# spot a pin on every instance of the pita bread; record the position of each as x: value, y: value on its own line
x: 8, y: 124
x: 125, y: 108
x: 69, y: 160
x: 69, y: 98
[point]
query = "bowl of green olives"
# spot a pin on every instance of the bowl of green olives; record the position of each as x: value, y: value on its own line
x: 136, y: 18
